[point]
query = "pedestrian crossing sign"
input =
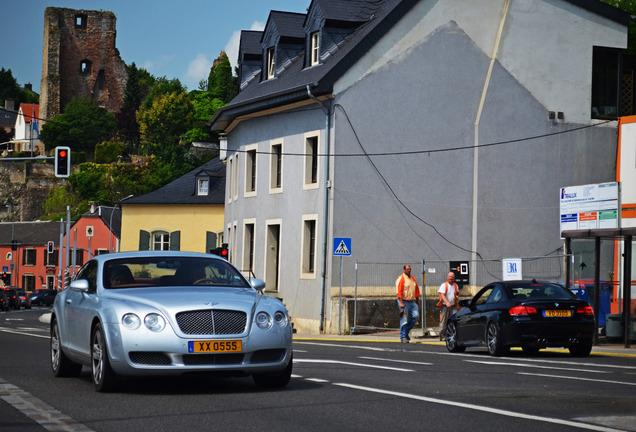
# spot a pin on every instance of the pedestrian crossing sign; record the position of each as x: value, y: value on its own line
x: 342, y: 246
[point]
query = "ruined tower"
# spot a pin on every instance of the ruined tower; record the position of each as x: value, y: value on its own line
x: 80, y: 59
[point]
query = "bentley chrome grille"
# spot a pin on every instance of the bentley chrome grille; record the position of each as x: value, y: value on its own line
x: 216, y: 322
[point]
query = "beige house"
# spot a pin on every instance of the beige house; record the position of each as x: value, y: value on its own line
x: 186, y: 214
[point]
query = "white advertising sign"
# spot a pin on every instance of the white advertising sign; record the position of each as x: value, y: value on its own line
x: 589, y: 206
x: 511, y: 268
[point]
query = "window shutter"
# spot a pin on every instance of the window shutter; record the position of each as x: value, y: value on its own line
x: 210, y: 241
x: 144, y: 240
x: 175, y: 240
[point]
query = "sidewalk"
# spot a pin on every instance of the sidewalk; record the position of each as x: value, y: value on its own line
x: 604, y: 347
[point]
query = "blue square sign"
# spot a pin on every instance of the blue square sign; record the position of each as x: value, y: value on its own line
x: 342, y: 246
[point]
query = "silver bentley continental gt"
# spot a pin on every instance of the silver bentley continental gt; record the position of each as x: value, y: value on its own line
x: 168, y: 313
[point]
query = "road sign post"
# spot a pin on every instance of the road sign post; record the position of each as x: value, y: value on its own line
x: 341, y: 247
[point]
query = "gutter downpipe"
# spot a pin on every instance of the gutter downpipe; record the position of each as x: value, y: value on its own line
x: 323, y: 289
x: 493, y: 58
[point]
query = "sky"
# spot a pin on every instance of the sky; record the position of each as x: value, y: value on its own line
x: 168, y: 38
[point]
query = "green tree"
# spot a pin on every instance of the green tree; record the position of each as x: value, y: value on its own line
x: 221, y: 82
x: 9, y: 88
x: 165, y: 121
x: 81, y: 127
x: 137, y: 89
x: 204, y: 105
x: 108, y: 151
x: 162, y: 86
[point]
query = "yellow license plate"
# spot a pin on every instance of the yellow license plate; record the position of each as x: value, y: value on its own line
x: 214, y: 346
x: 557, y: 313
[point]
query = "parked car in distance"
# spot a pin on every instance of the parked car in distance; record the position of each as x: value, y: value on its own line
x: 12, y: 296
x: 527, y: 314
x: 168, y: 313
x: 24, y: 300
x: 4, y: 301
x: 44, y: 297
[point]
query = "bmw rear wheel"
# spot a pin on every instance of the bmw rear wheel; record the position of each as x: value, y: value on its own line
x: 103, y: 376
x: 493, y: 341
x: 452, y: 344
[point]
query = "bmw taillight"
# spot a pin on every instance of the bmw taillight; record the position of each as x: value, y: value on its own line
x: 522, y: 311
x: 585, y: 310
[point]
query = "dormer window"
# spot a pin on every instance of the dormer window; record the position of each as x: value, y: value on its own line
x: 203, y: 186
x: 271, y: 62
x: 315, y: 48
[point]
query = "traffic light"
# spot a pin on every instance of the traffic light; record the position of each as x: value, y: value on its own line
x: 50, y: 247
x: 62, y: 162
x: 6, y: 279
x: 221, y: 251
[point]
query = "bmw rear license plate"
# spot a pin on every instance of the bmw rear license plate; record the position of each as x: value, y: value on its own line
x: 557, y: 313
x: 214, y: 346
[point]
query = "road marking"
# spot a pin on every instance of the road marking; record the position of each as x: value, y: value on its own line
x: 317, y: 380
x: 577, y: 378
x: 454, y: 404
x: 8, y: 330
x: 351, y: 364
x: 38, y: 411
x: 397, y: 361
x: 346, y: 346
x: 496, y: 363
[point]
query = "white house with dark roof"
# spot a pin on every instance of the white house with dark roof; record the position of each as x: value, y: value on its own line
x: 420, y: 130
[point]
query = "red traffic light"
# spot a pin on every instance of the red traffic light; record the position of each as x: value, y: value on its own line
x: 62, y: 162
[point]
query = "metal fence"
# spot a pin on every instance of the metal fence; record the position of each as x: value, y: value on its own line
x: 373, y: 312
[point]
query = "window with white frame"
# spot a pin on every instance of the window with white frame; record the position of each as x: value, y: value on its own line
x: 230, y: 179
x: 271, y: 62
x: 28, y: 256
x: 276, y: 167
x: 248, y: 246
x: 311, y: 162
x: 308, y: 263
x: 236, y: 176
x: 315, y: 48
x: 250, y: 172
x: 28, y: 282
x: 203, y: 185
x: 51, y: 259
x: 160, y: 240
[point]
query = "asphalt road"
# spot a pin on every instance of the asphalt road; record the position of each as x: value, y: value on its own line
x: 347, y: 384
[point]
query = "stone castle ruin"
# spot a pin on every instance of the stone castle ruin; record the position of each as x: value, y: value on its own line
x: 80, y: 59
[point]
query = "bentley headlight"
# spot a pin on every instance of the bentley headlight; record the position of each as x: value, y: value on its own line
x: 280, y: 318
x: 131, y: 321
x: 263, y: 320
x: 154, y: 322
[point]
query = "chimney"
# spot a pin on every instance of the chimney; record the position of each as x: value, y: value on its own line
x: 28, y: 87
x: 9, y: 104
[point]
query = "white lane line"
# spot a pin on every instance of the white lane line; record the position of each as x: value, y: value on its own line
x: 368, y: 348
x: 6, y: 330
x: 351, y: 364
x: 454, y: 404
x: 494, y: 363
x: 317, y: 380
x: 38, y: 411
x: 396, y: 361
x: 577, y: 378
